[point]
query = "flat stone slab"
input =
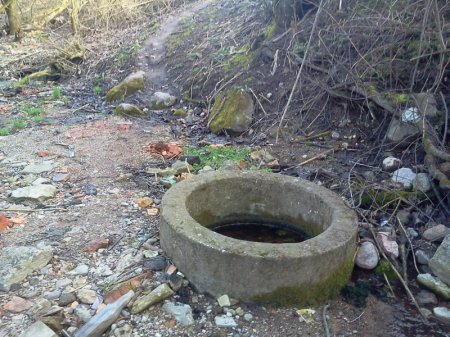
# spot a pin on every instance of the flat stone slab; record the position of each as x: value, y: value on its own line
x: 38, y: 329
x: 38, y: 168
x: 37, y: 193
x: 16, y: 263
x: 440, y: 262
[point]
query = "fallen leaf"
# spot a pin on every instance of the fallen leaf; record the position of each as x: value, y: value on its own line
x: 171, y: 269
x: 170, y: 324
x: 144, y: 202
x: 306, y: 315
x: 184, y: 176
x: 166, y: 150
x: 43, y: 153
x: 5, y: 222
x: 125, y: 287
x: 96, y: 244
x: 153, y: 211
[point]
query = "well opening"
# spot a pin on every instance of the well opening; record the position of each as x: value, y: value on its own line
x: 259, y: 201
x: 276, y: 273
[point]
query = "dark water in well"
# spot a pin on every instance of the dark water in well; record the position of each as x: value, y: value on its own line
x: 261, y: 232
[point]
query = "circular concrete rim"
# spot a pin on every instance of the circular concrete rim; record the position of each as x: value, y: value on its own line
x: 341, y: 230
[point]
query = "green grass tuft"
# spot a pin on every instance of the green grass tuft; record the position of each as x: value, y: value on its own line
x: 32, y: 111
x: 216, y: 156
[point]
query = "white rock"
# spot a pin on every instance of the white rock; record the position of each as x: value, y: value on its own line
x: 81, y: 269
x: 411, y: 115
x: 181, y: 312
x: 422, y: 183
x: 367, y: 256
x: 248, y: 317
x: 161, y: 100
x: 442, y: 313
x: 390, y: 164
x: 404, y: 176
x: 37, y: 193
x: 224, y: 301
x: 225, y: 322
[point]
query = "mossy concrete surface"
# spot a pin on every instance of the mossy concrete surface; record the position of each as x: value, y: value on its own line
x: 232, y: 111
x: 280, y: 274
x: 128, y: 86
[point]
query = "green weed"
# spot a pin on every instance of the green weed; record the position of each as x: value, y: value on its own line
x: 56, y: 93
x: 19, y: 124
x: 4, y: 132
x: 97, y: 90
x: 216, y: 156
x: 38, y: 119
x: 299, y: 48
x: 32, y: 111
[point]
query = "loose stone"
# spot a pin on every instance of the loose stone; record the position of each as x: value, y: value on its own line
x: 434, y: 284
x: 81, y: 269
x: 181, y: 312
x: 443, y: 314
x: 390, y: 164
x: 426, y: 297
x: 157, y: 295
x: 436, y: 233
x: 224, y: 301
x: 440, y: 262
x: 38, y: 329
x: 225, y: 322
x: 404, y: 177
x: 87, y: 296
x: 367, y: 256
x: 422, y: 257
x: 16, y: 263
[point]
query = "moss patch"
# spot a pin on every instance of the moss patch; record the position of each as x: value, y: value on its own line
x: 240, y: 60
x: 270, y: 30
x: 128, y: 86
x: 305, y: 294
x: 232, y: 111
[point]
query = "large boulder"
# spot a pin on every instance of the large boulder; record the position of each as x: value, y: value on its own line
x: 232, y: 112
x: 128, y: 86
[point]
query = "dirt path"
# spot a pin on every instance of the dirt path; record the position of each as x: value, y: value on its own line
x: 153, y: 53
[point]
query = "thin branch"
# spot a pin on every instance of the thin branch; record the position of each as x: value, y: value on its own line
x: 302, y: 66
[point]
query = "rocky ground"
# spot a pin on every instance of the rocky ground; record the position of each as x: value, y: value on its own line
x: 79, y: 215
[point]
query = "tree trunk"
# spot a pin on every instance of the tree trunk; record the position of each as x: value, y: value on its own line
x: 12, y: 12
x: 285, y: 11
